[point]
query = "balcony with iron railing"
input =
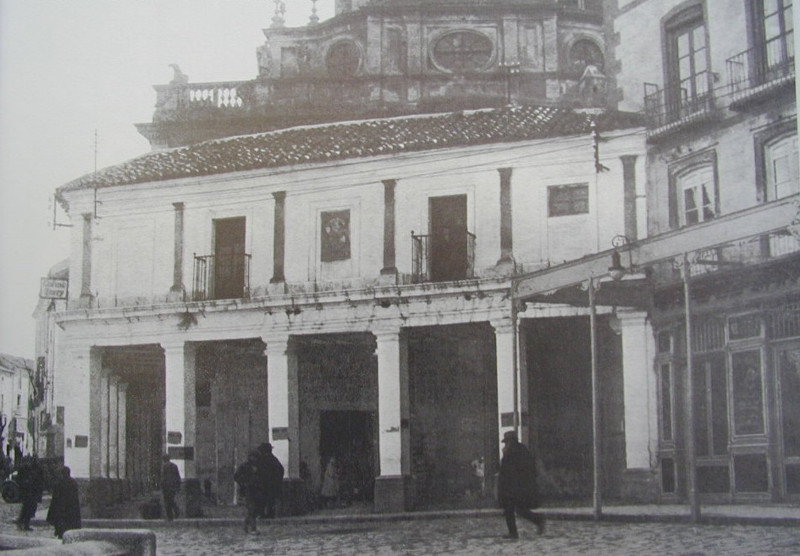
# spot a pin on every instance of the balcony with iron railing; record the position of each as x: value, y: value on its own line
x: 442, y: 258
x: 221, y: 277
x: 672, y: 108
x: 758, y: 72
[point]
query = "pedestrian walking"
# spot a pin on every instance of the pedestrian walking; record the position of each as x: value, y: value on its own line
x: 31, y: 484
x: 247, y: 477
x: 65, y: 506
x: 517, y: 489
x: 330, y: 483
x: 170, y: 487
x: 271, y: 480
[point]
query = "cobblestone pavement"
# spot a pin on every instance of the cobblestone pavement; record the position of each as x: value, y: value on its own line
x: 455, y: 535
x: 479, y: 536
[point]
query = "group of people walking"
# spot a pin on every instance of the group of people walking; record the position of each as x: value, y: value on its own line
x: 260, y: 482
x: 64, y: 512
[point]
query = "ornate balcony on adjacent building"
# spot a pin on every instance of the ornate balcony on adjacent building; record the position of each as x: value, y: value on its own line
x: 443, y: 257
x: 221, y: 277
x: 761, y: 71
x: 672, y: 109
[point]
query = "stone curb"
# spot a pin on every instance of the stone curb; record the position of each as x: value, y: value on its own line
x: 556, y: 515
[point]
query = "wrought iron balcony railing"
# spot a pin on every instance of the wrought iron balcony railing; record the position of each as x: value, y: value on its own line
x: 761, y: 68
x: 221, y: 276
x: 674, y: 107
x: 443, y: 258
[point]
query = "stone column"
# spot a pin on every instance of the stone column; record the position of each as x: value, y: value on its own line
x: 393, y: 432
x: 123, y: 423
x: 105, y: 422
x: 389, y: 270
x: 283, y: 407
x: 176, y: 292
x: 113, y: 427
x: 639, y: 391
x: 524, y: 388
x: 506, y: 231
x: 279, y: 238
x: 505, y: 354
x: 181, y: 410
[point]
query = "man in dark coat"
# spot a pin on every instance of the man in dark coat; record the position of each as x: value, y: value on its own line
x: 247, y: 477
x: 30, y: 478
x: 271, y: 479
x: 65, y: 507
x: 517, y: 489
x: 170, y: 487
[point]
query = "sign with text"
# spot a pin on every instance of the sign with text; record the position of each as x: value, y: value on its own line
x: 53, y: 288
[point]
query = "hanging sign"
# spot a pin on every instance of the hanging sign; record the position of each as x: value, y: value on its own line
x: 53, y: 288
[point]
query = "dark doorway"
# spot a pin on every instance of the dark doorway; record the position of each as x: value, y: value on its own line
x: 448, y: 227
x: 229, y: 258
x: 348, y: 435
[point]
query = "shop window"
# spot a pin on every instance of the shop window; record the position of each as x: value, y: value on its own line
x: 463, y: 51
x: 713, y: 479
x: 710, y: 406
x: 748, y: 396
x: 741, y: 327
x: 667, y: 394
x: 565, y: 200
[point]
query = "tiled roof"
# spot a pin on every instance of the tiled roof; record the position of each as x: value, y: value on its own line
x: 13, y: 363
x: 340, y: 141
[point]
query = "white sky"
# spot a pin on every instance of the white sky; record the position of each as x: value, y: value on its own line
x: 68, y: 68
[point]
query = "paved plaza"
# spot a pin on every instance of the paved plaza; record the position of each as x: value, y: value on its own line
x: 461, y: 534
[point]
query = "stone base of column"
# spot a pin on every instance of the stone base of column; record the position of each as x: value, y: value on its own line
x: 176, y: 294
x: 296, y: 498
x: 388, y: 277
x: 394, y: 494
x: 85, y: 301
x: 640, y: 486
x: 276, y: 288
x: 506, y: 266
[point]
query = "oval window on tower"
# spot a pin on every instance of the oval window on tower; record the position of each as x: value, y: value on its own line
x: 344, y: 59
x: 463, y: 51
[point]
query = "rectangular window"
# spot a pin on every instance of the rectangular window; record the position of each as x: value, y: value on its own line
x: 565, y: 200
x: 710, y: 406
x: 780, y: 159
x: 696, y: 196
x: 778, y: 27
x: 335, y: 236
x: 688, y: 63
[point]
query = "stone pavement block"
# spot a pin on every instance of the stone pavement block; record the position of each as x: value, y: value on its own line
x: 137, y: 542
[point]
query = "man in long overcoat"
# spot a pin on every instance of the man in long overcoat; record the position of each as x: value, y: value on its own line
x: 65, y: 507
x: 271, y: 478
x: 247, y: 477
x: 517, y: 488
x: 170, y: 487
x: 31, y: 484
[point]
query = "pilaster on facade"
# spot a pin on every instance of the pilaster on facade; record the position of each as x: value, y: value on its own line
x: 283, y: 402
x: 639, y: 391
x: 179, y: 359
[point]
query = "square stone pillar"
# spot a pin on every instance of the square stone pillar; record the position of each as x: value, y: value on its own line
x: 113, y: 427
x: 640, y: 391
x: 393, y: 431
x: 507, y: 383
x: 181, y: 410
x: 103, y: 437
x: 73, y: 391
x: 283, y: 403
x: 123, y: 423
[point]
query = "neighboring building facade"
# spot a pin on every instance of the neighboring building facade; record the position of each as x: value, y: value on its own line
x: 716, y: 81
x: 718, y: 88
x: 16, y: 390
